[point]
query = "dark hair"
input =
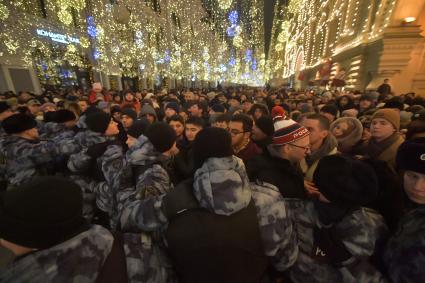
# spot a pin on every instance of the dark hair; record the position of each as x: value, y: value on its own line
x: 246, y: 121
x: 176, y: 118
x: 222, y: 118
x: 323, y: 121
x: 197, y: 121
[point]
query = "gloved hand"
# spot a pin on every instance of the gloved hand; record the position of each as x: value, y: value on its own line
x: 98, y: 150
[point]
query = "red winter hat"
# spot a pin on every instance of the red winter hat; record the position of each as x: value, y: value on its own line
x: 278, y: 111
x: 287, y: 131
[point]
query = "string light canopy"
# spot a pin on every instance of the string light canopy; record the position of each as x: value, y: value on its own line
x: 175, y: 39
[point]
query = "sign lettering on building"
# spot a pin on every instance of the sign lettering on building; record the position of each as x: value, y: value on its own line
x: 62, y: 38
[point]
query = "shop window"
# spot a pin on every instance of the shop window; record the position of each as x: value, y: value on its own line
x: 21, y: 79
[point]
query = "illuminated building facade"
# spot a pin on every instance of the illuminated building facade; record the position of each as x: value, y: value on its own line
x: 351, y: 43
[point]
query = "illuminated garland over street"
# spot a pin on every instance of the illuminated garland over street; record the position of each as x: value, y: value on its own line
x: 150, y: 39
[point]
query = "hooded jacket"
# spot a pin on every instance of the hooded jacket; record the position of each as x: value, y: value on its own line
x: 221, y: 187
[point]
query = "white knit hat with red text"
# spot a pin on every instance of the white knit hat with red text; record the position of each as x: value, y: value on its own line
x: 287, y: 131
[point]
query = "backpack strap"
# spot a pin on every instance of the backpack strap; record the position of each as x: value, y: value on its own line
x: 114, y: 270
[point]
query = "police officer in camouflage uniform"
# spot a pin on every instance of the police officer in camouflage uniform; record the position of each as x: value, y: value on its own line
x: 41, y: 222
x: 220, y: 187
x: 98, y: 145
x: 336, y: 235
x: 405, y: 251
x: 63, y: 124
x: 26, y: 156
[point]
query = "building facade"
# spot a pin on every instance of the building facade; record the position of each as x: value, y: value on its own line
x: 354, y: 44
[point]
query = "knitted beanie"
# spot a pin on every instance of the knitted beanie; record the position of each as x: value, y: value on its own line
x: 18, y: 123
x: 161, y: 135
x: 130, y: 113
x: 138, y: 128
x: 203, y: 148
x: 42, y: 213
x: 287, y: 131
x: 278, y: 111
x: 265, y: 124
x: 98, y: 121
x: 391, y: 115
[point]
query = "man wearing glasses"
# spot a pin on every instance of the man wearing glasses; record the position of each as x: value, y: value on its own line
x: 240, y: 128
x: 279, y: 165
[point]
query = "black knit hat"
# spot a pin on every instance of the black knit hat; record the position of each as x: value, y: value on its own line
x: 265, y: 124
x: 203, y: 148
x: 42, y: 213
x: 345, y: 181
x: 161, y: 135
x: 330, y: 108
x: 64, y: 115
x: 4, y: 106
x: 411, y: 156
x: 138, y: 128
x: 18, y: 123
x: 98, y: 121
x: 129, y: 112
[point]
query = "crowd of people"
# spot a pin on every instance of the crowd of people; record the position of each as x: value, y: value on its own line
x: 234, y: 184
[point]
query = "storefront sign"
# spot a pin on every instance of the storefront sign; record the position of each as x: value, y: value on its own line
x: 62, y: 38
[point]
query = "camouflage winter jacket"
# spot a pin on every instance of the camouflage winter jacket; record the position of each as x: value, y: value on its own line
x: 359, y: 232
x: 81, y: 165
x: 25, y: 159
x: 81, y: 258
x: 51, y: 130
x: 221, y: 186
x: 147, y: 166
x: 404, y: 255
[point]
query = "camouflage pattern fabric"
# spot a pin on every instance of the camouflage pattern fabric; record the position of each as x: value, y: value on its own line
x: 80, y: 260
x: 360, y: 231
x: 26, y: 159
x: 404, y: 255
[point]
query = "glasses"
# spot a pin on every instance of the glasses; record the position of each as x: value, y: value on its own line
x: 305, y: 148
x: 235, y: 132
